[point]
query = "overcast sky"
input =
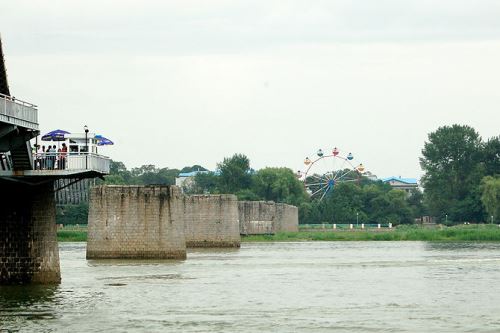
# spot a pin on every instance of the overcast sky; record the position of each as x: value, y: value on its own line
x: 177, y: 83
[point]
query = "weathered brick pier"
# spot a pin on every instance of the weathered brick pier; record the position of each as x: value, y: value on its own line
x: 141, y: 222
x: 159, y: 222
x: 267, y: 217
x: 28, y: 240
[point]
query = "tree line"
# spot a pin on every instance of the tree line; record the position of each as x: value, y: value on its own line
x: 461, y: 183
x: 365, y: 202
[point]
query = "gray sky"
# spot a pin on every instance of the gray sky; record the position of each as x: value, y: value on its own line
x: 177, y: 83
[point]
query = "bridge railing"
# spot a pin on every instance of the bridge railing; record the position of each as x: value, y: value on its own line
x: 344, y: 226
x: 18, y: 112
x: 71, y: 161
x: 5, y: 162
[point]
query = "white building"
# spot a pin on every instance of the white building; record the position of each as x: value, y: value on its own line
x: 186, y: 179
x: 405, y: 184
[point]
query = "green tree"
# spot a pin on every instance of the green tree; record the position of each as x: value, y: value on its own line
x: 149, y: 174
x: 116, y: 168
x: 247, y: 195
x: 204, y: 183
x: 451, y: 160
x: 416, y: 203
x: 308, y: 213
x: 492, y: 156
x: 118, y: 174
x: 235, y: 174
x: 73, y: 214
x: 195, y: 167
x: 166, y: 176
x: 370, y: 193
x: 490, y: 196
x: 278, y: 185
x: 344, y: 204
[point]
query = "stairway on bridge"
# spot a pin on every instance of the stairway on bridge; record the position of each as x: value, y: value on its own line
x: 21, y: 156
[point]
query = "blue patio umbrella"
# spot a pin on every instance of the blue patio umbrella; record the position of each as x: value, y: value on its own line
x: 56, y: 135
x: 102, y: 141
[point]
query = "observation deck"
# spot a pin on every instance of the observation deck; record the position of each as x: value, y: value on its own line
x: 18, y: 162
x: 50, y: 166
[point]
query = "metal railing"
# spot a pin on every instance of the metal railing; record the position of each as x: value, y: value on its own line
x: 18, y: 109
x: 71, y: 161
x: 5, y: 162
x: 344, y: 226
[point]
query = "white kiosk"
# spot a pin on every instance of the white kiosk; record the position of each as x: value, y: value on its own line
x: 83, y: 152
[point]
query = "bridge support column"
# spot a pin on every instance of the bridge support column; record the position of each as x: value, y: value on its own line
x: 28, y: 234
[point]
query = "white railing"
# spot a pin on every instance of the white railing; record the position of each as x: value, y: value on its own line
x: 5, y: 162
x: 71, y: 161
x: 88, y: 162
x: 18, y: 109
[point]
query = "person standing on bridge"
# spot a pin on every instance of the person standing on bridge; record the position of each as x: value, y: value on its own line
x: 55, y: 157
x: 39, y: 158
x: 43, y: 159
x: 62, y: 157
x: 49, y: 162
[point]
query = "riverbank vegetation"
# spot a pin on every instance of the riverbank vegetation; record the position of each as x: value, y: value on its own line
x: 463, y: 233
x: 410, y: 233
x: 72, y: 235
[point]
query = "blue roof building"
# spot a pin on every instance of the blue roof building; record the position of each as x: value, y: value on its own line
x: 190, y: 174
x: 186, y: 179
x: 405, y: 184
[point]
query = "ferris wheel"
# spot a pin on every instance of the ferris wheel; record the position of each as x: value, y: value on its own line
x: 325, y: 171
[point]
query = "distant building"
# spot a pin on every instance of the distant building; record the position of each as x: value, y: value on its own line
x: 370, y: 176
x: 186, y: 179
x: 405, y: 184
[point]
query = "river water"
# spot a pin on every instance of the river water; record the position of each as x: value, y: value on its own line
x: 270, y: 287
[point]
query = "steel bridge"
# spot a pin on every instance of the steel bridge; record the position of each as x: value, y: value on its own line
x: 28, y: 235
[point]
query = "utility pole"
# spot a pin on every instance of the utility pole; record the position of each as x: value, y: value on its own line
x: 86, y: 147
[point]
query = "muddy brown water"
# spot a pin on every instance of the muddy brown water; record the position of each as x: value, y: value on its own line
x: 270, y: 287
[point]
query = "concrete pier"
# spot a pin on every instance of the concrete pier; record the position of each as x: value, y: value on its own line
x: 160, y: 222
x: 267, y: 217
x: 28, y: 234
x: 141, y: 222
x: 211, y: 221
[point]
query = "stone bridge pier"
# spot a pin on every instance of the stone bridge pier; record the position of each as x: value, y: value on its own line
x: 28, y: 234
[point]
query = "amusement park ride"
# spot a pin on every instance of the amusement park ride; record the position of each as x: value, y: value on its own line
x: 323, y: 173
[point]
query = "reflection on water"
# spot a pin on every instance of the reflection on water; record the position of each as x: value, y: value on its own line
x: 462, y: 247
x: 278, y: 287
x: 20, y: 304
x: 133, y: 262
x: 26, y: 295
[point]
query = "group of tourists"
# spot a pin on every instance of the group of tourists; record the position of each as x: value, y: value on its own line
x: 50, y: 158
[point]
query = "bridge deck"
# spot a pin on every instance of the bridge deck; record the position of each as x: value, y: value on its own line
x: 17, y: 112
x: 37, y: 177
x: 74, y: 166
x: 48, y: 173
